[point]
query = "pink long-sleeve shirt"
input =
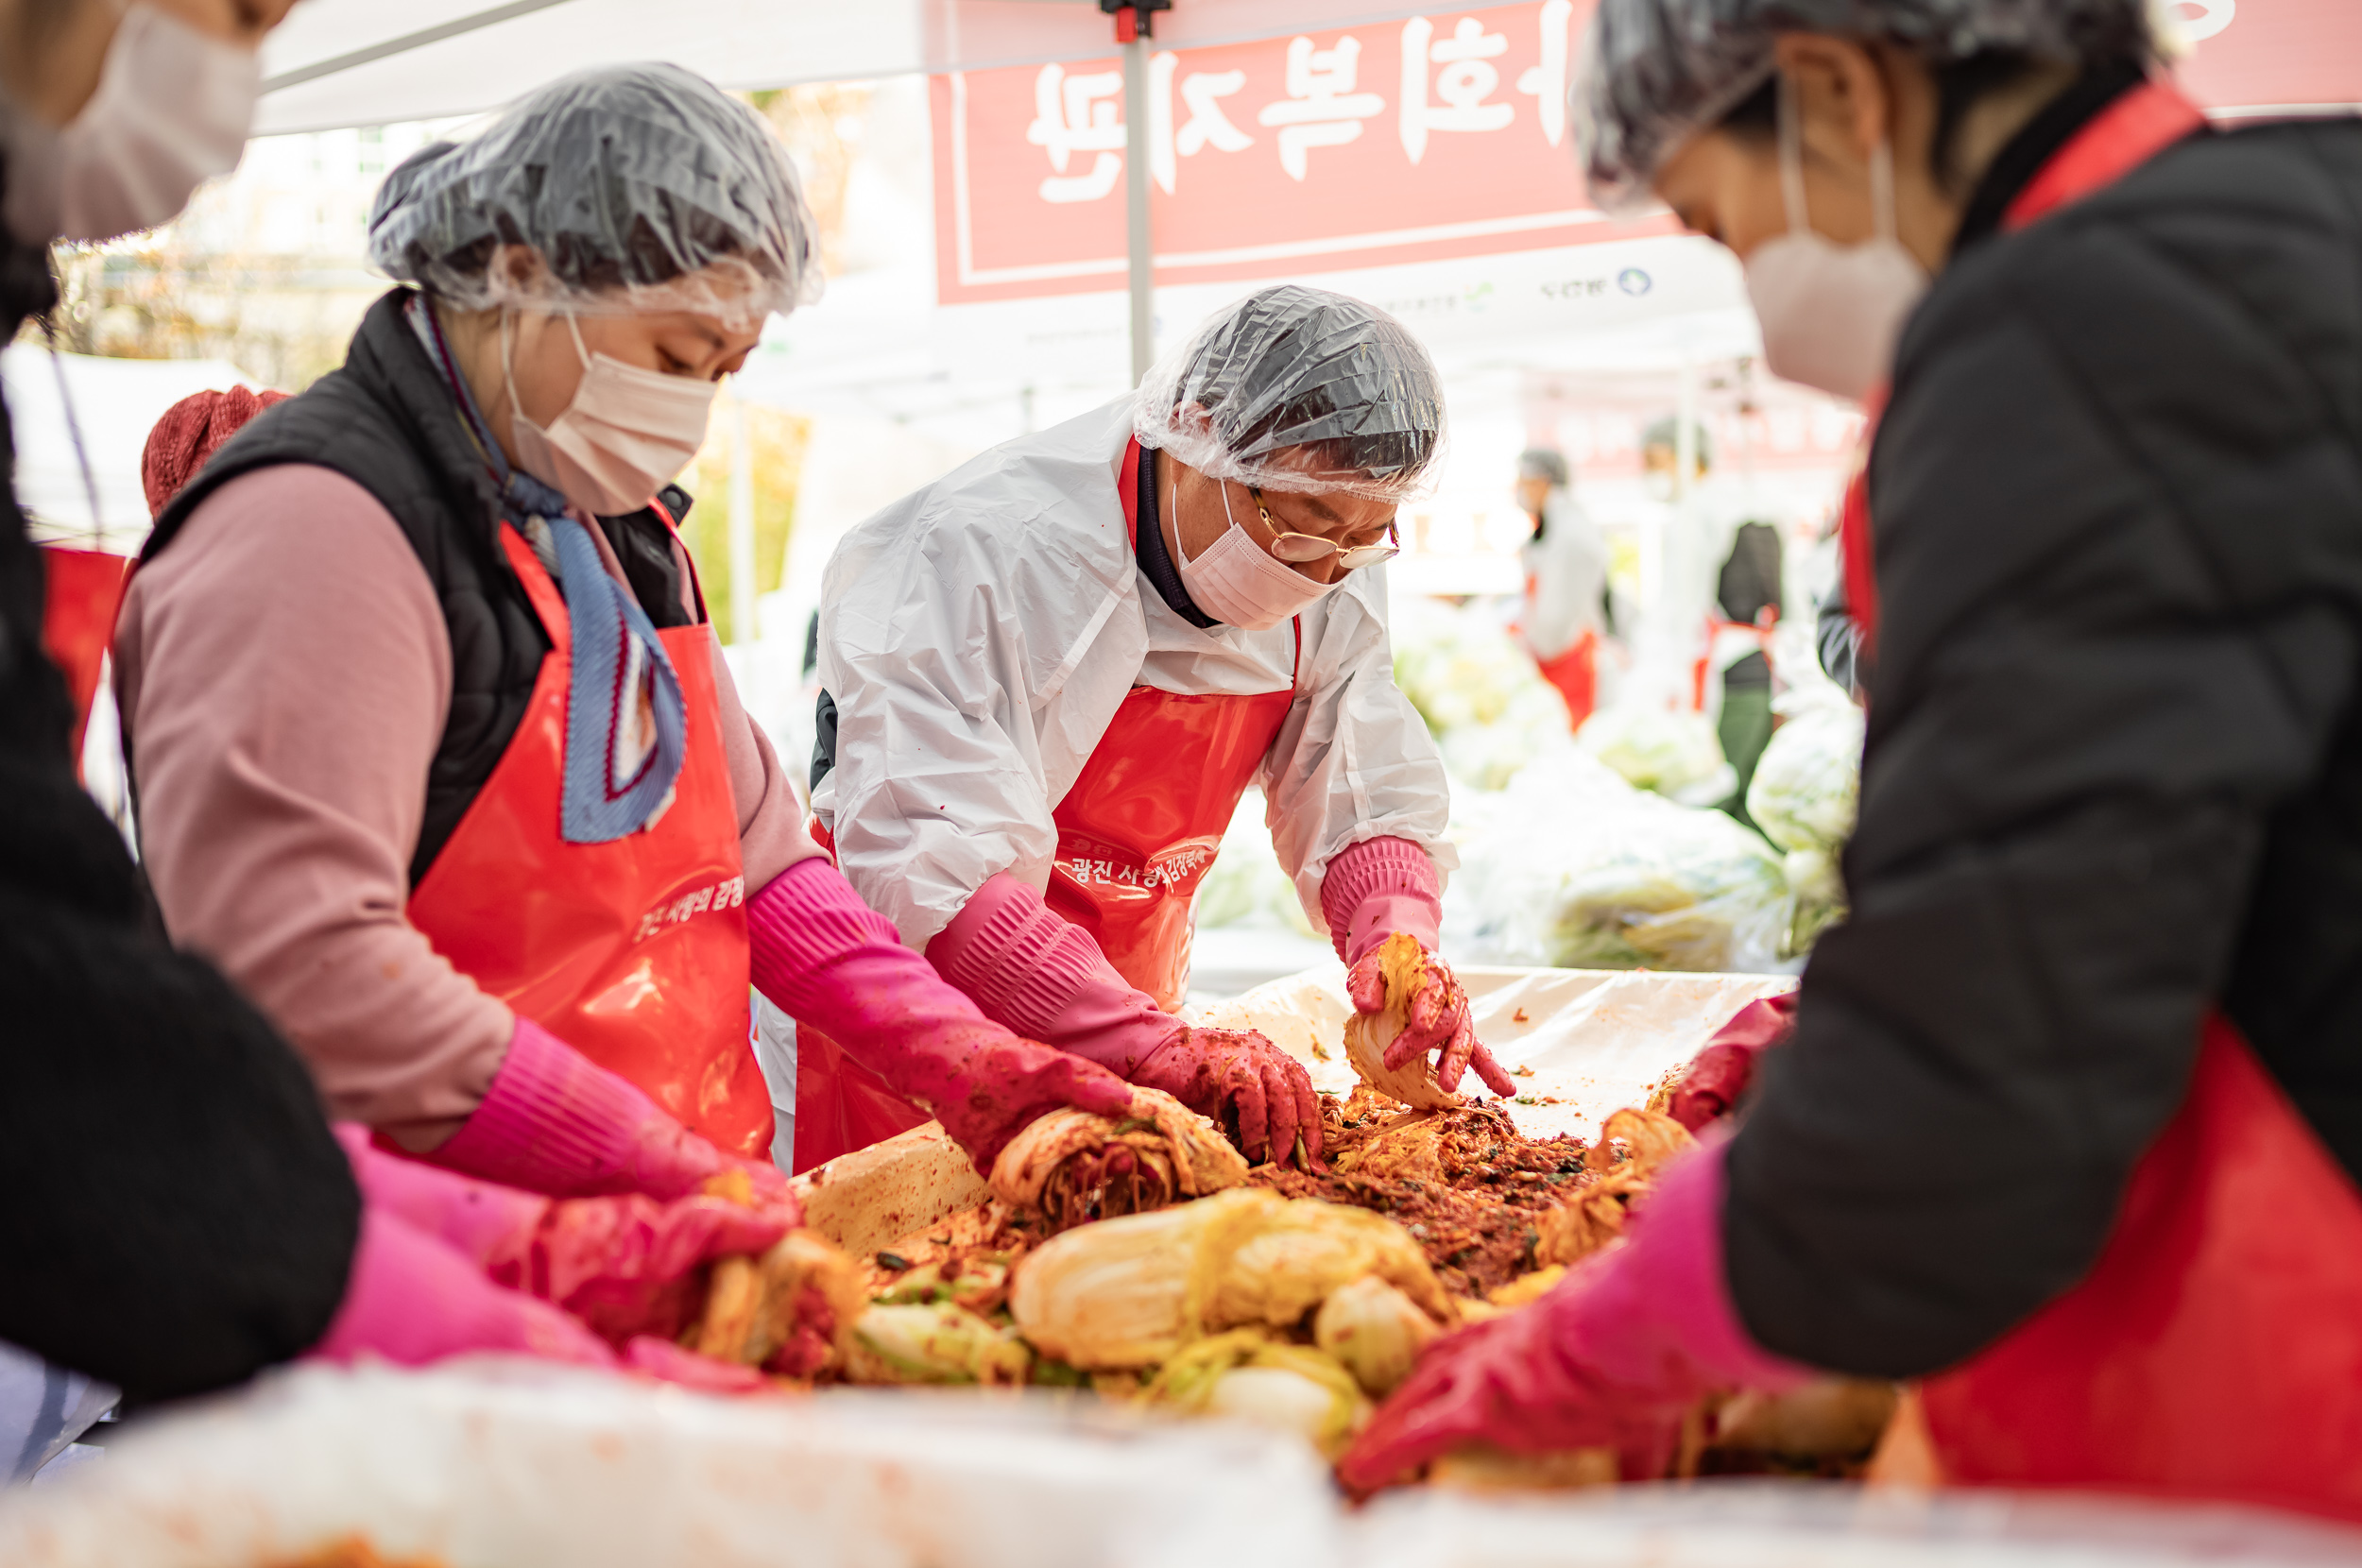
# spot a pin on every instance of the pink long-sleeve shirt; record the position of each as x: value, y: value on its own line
x: 283, y: 672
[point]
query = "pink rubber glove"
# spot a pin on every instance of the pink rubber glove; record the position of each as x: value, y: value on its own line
x: 414, y: 1301
x: 1718, y: 1076
x: 622, y: 1265
x: 1029, y: 967
x: 1371, y: 890
x: 1612, y: 1357
x: 557, y: 1123
x: 831, y: 960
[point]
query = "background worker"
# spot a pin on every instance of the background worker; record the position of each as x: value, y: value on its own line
x: 434, y: 748
x: 2067, y: 1124
x: 1052, y: 674
x: 1567, y: 608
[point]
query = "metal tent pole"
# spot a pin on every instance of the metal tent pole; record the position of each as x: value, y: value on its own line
x: 1132, y: 32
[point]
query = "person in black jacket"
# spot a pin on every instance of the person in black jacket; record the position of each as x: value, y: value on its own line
x: 2112, y: 797
x: 177, y: 1215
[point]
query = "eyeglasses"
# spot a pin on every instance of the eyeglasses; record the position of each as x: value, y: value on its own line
x: 1297, y: 549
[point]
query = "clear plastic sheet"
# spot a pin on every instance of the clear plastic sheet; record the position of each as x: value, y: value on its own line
x: 1299, y: 390
x: 642, y: 187
x: 1656, y: 72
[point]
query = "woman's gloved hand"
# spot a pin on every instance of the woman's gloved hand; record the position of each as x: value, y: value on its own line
x: 1368, y: 893
x: 622, y: 1264
x: 1717, y: 1077
x: 1223, y: 1074
x: 556, y: 1122
x: 414, y: 1300
x: 1612, y: 1358
x: 831, y: 960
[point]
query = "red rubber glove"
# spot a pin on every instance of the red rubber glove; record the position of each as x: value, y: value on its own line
x: 1220, y: 1073
x: 1612, y: 1357
x: 555, y: 1123
x: 1718, y: 1076
x: 622, y: 1265
x: 1369, y: 891
x: 829, y: 959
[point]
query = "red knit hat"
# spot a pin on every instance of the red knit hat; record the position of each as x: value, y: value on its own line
x: 192, y: 430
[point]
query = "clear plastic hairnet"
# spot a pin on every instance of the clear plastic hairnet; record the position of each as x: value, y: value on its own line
x: 1299, y: 390
x: 1656, y: 72
x: 643, y: 188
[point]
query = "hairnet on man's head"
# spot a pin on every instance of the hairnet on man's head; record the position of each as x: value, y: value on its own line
x: 1545, y: 464
x: 1299, y: 390
x: 1656, y: 72
x: 640, y: 187
x: 1665, y: 434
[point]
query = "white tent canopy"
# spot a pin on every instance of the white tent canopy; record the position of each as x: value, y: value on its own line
x: 357, y: 62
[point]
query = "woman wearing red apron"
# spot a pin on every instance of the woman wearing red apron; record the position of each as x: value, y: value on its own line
x: 2066, y: 1126
x: 435, y: 750
x: 1051, y: 675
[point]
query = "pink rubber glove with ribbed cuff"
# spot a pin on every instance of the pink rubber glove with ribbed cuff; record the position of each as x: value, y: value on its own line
x: 414, y: 1300
x: 1614, y: 1356
x: 624, y: 1264
x: 556, y: 1122
x: 1369, y: 891
x: 1029, y: 967
x: 831, y: 961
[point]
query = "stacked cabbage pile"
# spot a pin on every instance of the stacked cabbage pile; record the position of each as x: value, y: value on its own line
x: 1804, y: 795
x: 1489, y: 708
x: 1580, y: 870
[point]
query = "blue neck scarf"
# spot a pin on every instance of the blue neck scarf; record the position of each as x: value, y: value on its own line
x: 627, y: 724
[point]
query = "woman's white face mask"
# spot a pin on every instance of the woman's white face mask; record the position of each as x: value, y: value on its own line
x: 1237, y: 581
x: 172, y: 111
x: 1832, y: 314
x: 625, y: 434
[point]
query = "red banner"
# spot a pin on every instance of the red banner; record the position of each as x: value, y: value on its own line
x: 1440, y: 136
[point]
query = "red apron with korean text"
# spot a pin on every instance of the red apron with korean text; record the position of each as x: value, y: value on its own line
x: 1136, y: 833
x: 633, y: 951
x: 2216, y: 1348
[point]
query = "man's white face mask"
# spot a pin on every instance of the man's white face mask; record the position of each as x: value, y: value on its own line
x: 172, y: 111
x: 1831, y: 313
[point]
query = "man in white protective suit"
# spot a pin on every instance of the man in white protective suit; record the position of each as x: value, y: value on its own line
x: 1049, y: 676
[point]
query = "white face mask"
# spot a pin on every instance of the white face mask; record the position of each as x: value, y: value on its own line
x: 172, y: 111
x: 624, y: 435
x: 1831, y: 313
x: 1238, y: 583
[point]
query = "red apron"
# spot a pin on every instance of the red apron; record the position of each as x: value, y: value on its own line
x: 1576, y: 673
x: 2216, y: 1348
x: 634, y: 951
x: 1136, y: 833
x: 85, y: 589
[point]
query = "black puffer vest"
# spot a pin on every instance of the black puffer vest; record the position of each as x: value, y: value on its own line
x: 387, y: 421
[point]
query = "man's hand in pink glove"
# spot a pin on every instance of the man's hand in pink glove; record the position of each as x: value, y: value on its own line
x: 555, y: 1123
x: 996, y: 1091
x: 1717, y: 1077
x: 622, y: 1265
x: 1612, y: 1358
x: 1440, y: 1020
x: 1230, y: 1077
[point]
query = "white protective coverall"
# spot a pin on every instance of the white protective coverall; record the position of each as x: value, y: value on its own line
x: 979, y: 636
